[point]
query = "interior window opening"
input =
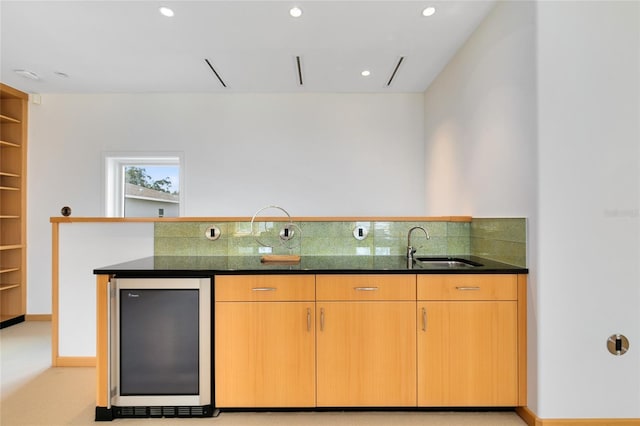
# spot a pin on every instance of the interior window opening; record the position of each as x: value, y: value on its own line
x: 143, y: 187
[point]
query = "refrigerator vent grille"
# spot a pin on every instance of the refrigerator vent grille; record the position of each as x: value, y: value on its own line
x: 164, y: 411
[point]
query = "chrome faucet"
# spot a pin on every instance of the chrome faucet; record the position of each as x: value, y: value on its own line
x: 410, y: 249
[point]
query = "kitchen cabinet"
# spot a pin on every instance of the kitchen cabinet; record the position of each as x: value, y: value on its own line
x: 13, y: 160
x: 330, y: 338
x: 468, y: 342
x: 366, y: 340
x: 265, y: 341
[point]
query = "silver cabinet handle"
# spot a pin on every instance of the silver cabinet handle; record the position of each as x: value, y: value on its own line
x: 365, y: 288
x: 467, y: 288
x: 424, y: 319
x: 321, y: 319
x: 308, y: 319
x: 264, y: 289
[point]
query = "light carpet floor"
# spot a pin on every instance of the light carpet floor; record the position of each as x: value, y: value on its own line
x: 33, y: 393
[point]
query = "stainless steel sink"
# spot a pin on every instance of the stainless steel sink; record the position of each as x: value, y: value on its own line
x: 445, y: 262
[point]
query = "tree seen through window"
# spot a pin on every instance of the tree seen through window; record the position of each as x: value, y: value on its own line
x: 151, y: 191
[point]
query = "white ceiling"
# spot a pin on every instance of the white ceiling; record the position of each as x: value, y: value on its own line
x: 129, y: 47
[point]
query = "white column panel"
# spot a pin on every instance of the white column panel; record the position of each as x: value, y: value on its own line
x: 83, y: 248
x: 589, y: 199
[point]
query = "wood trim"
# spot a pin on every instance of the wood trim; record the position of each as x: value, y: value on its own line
x: 15, y: 93
x: 530, y: 418
x: 55, y: 260
x: 522, y: 340
x: 76, y: 361
x: 102, y: 341
x: 37, y: 317
x: 270, y: 219
x: 23, y: 198
x: 588, y: 422
x: 527, y: 415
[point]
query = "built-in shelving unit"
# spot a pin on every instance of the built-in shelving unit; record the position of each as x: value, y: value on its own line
x: 13, y: 226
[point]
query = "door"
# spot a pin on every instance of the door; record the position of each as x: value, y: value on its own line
x: 366, y: 354
x: 159, y: 342
x: 467, y: 353
x: 265, y: 354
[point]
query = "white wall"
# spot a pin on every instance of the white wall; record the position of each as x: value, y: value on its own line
x: 480, y: 126
x: 313, y: 154
x: 589, y: 199
x: 538, y: 115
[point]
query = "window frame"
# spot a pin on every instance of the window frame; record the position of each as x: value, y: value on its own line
x: 114, y: 164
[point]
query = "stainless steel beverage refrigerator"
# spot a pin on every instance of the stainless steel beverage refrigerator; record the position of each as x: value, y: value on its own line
x: 160, y: 347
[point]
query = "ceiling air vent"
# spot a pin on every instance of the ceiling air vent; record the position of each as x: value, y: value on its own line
x: 299, y: 68
x: 215, y: 72
x: 395, y: 71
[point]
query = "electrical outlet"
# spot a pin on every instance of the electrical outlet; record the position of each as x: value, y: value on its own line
x: 212, y: 233
x: 360, y: 232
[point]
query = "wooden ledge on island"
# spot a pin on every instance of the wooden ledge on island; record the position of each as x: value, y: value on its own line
x: 280, y: 258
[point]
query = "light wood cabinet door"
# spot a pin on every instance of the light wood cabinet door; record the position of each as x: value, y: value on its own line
x: 467, y: 353
x: 366, y: 354
x: 265, y: 354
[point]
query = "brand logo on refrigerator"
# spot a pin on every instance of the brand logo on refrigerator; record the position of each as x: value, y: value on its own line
x: 133, y: 295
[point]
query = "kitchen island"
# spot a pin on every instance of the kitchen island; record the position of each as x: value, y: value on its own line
x: 345, y: 332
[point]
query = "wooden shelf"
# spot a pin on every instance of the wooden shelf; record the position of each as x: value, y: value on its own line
x: 4, y: 287
x: 11, y: 247
x: 14, y: 112
x: 7, y: 119
x: 9, y: 144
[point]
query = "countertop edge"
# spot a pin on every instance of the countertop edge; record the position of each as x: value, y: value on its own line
x: 157, y: 267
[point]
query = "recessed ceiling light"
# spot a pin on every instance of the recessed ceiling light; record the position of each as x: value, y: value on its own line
x: 365, y: 73
x: 296, y: 12
x: 166, y: 12
x: 429, y: 11
x: 27, y: 74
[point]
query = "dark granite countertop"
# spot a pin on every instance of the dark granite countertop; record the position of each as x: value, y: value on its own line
x: 203, y: 266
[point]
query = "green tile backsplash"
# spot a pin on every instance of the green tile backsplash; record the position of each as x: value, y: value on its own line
x: 501, y: 239
x: 498, y: 239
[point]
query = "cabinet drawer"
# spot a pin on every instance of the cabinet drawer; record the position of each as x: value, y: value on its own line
x: 467, y: 287
x: 268, y: 288
x: 365, y: 287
